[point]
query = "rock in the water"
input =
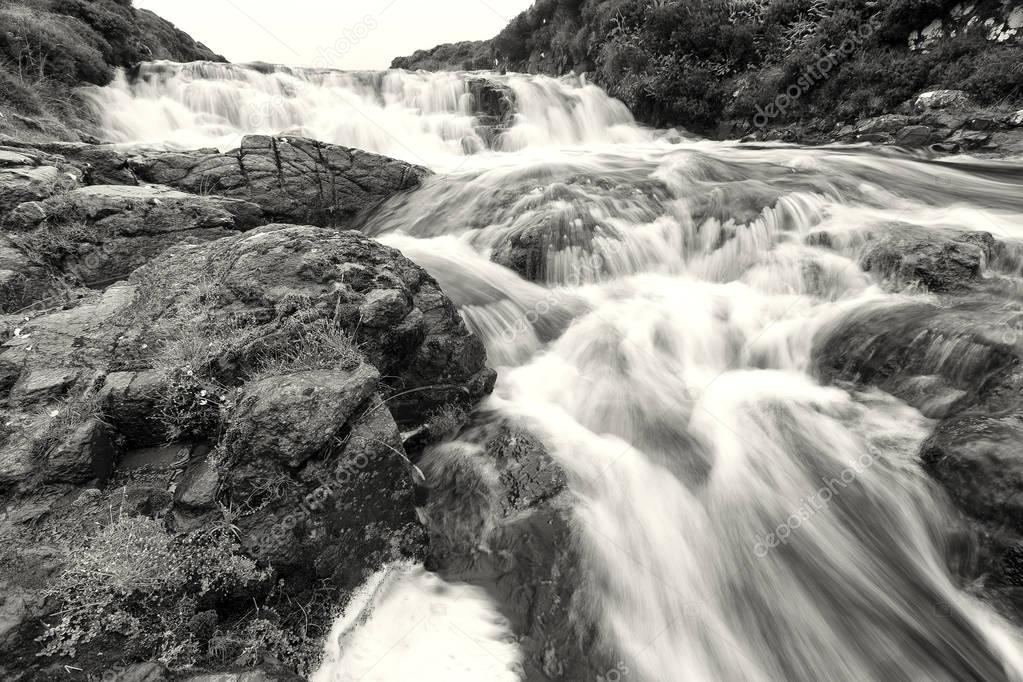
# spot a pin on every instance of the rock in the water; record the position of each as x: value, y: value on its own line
x: 979, y: 461
x: 914, y: 136
x: 500, y: 516
x: 939, y: 262
x: 293, y: 179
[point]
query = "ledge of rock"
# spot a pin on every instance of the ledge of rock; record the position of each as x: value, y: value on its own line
x: 293, y: 179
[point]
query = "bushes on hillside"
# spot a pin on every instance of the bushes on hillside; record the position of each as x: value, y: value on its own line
x: 38, y: 45
x: 695, y: 62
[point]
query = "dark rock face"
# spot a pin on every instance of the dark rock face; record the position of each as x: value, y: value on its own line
x: 977, y: 459
x: 500, y: 516
x: 292, y: 179
x: 938, y: 262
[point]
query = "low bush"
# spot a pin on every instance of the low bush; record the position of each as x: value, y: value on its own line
x: 135, y: 585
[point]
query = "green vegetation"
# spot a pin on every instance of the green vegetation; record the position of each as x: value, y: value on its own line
x: 698, y: 62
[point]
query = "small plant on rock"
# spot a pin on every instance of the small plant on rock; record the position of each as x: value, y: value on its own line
x: 134, y: 583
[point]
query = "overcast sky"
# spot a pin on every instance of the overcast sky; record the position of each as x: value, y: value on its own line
x: 342, y: 34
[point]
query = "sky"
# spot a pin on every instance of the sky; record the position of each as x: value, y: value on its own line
x: 340, y: 34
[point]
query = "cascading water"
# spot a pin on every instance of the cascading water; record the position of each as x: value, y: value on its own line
x: 421, y: 118
x: 651, y: 307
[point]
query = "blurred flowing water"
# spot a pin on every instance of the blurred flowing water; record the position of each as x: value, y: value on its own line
x: 741, y: 520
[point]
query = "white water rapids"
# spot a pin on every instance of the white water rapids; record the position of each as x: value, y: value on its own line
x: 742, y: 521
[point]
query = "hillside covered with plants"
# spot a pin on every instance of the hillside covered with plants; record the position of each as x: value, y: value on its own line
x: 697, y: 63
x: 48, y: 47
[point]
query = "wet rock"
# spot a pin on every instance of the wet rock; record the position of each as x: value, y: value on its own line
x: 978, y: 460
x: 969, y: 139
x: 500, y: 515
x: 888, y: 123
x: 936, y: 359
x: 914, y: 136
x: 937, y: 262
x: 293, y: 179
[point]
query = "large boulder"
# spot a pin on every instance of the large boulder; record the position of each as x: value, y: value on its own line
x: 935, y: 260
x: 293, y: 179
x: 394, y: 311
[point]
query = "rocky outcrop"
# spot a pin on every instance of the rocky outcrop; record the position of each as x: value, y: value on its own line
x: 292, y: 179
x: 280, y: 365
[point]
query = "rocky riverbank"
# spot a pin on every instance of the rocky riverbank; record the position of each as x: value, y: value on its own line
x: 205, y: 412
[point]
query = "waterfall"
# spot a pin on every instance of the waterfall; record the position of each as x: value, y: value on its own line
x: 650, y: 302
x: 426, y: 118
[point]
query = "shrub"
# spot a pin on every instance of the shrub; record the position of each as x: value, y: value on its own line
x: 39, y: 45
x: 15, y: 93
